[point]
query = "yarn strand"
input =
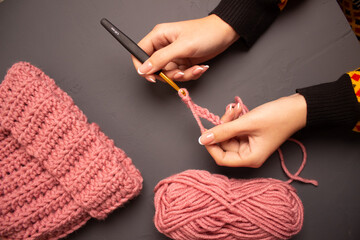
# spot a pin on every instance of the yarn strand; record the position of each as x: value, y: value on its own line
x: 196, y: 204
x: 200, y: 112
x: 197, y: 111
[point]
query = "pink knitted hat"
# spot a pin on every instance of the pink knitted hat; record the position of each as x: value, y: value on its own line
x: 56, y: 170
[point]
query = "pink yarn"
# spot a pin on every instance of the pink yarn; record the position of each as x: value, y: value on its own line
x: 56, y: 170
x: 198, y: 205
x: 200, y: 112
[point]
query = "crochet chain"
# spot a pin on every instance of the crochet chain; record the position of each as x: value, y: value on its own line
x: 200, y: 112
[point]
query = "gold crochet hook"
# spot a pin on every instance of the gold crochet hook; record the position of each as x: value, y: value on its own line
x: 134, y: 49
x: 171, y: 82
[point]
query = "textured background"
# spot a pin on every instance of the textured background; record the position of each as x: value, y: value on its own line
x: 309, y: 43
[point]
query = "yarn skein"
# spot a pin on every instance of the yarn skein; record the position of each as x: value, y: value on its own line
x: 196, y: 204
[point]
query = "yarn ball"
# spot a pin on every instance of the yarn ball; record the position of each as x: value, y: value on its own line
x: 196, y: 204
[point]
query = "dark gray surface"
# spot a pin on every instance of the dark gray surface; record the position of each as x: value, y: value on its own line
x: 309, y: 43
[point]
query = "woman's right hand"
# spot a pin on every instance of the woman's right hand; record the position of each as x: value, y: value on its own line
x: 178, y: 48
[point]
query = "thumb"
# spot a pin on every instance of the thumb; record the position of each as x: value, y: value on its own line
x: 226, y: 131
x: 160, y: 58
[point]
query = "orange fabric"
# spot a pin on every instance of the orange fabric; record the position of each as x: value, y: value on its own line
x: 351, y: 10
x: 282, y: 4
x: 355, y: 80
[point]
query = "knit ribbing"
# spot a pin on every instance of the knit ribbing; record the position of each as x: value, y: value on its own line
x: 332, y: 104
x: 58, y: 170
x: 249, y: 18
x: 33, y: 203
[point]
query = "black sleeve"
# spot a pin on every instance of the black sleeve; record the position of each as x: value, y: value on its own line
x: 332, y: 104
x: 249, y: 18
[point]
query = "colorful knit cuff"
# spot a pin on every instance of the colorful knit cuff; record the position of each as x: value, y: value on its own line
x: 355, y: 80
x: 248, y: 18
x: 43, y: 121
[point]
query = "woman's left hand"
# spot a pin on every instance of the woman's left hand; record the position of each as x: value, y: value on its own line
x: 248, y: 140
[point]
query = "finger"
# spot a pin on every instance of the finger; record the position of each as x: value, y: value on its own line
x: 178, y: 75
x: 136, y: 62
x: 175, y: 69
x: 194, y: 72
x: 232, y: 145
x: 237, y: 110
x: 172, y: 70
x: 160, y: 58
x: 178, y: 63
x: 148, y: 45
x: 228, y: 158
x: 151, y: 78
x: 154, y: 40
x: 229, y: 114
x: 175, y: 74
x: 226, y: 131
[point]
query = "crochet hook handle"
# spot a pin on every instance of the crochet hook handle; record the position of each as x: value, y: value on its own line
x: 133, y: 48
x: 124, y: 40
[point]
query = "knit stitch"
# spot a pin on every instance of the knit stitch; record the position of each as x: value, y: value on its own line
x: 56, y: 169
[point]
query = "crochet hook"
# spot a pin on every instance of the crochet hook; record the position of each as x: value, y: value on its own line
x: 134, y: 49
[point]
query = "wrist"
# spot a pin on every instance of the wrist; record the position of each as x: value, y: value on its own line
x: 228, y: 33
x: 298, y: 106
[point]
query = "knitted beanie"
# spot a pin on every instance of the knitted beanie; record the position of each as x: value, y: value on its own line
x: 56, y: 169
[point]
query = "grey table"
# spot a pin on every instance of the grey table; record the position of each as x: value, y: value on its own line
x: 309, y: 43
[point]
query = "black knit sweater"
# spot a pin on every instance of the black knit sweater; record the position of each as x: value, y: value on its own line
x: 329, y: 104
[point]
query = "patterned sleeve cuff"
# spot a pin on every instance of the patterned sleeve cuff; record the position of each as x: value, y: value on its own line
x: 355, y: 80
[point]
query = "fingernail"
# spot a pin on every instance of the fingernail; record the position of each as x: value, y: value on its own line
x: 230, y: 108
x: 238, y: 106
x: 198, y: 70
x: 179, y: 75
x: 151, y: 79
x: 206, y: 66
x: 145, y: 68
x: 206, y: 138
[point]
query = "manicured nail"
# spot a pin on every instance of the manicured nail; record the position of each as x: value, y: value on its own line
x: 151, y: 79
x: 179, y: 75
x: 206, y: 138
x: 145, y: 68
x: 199, y: 140
x: 197, y: 70
x: 238, y: 106
x: 206, y: 67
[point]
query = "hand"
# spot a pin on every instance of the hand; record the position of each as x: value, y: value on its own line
x: 248, y: 140
x: 179, y: 47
